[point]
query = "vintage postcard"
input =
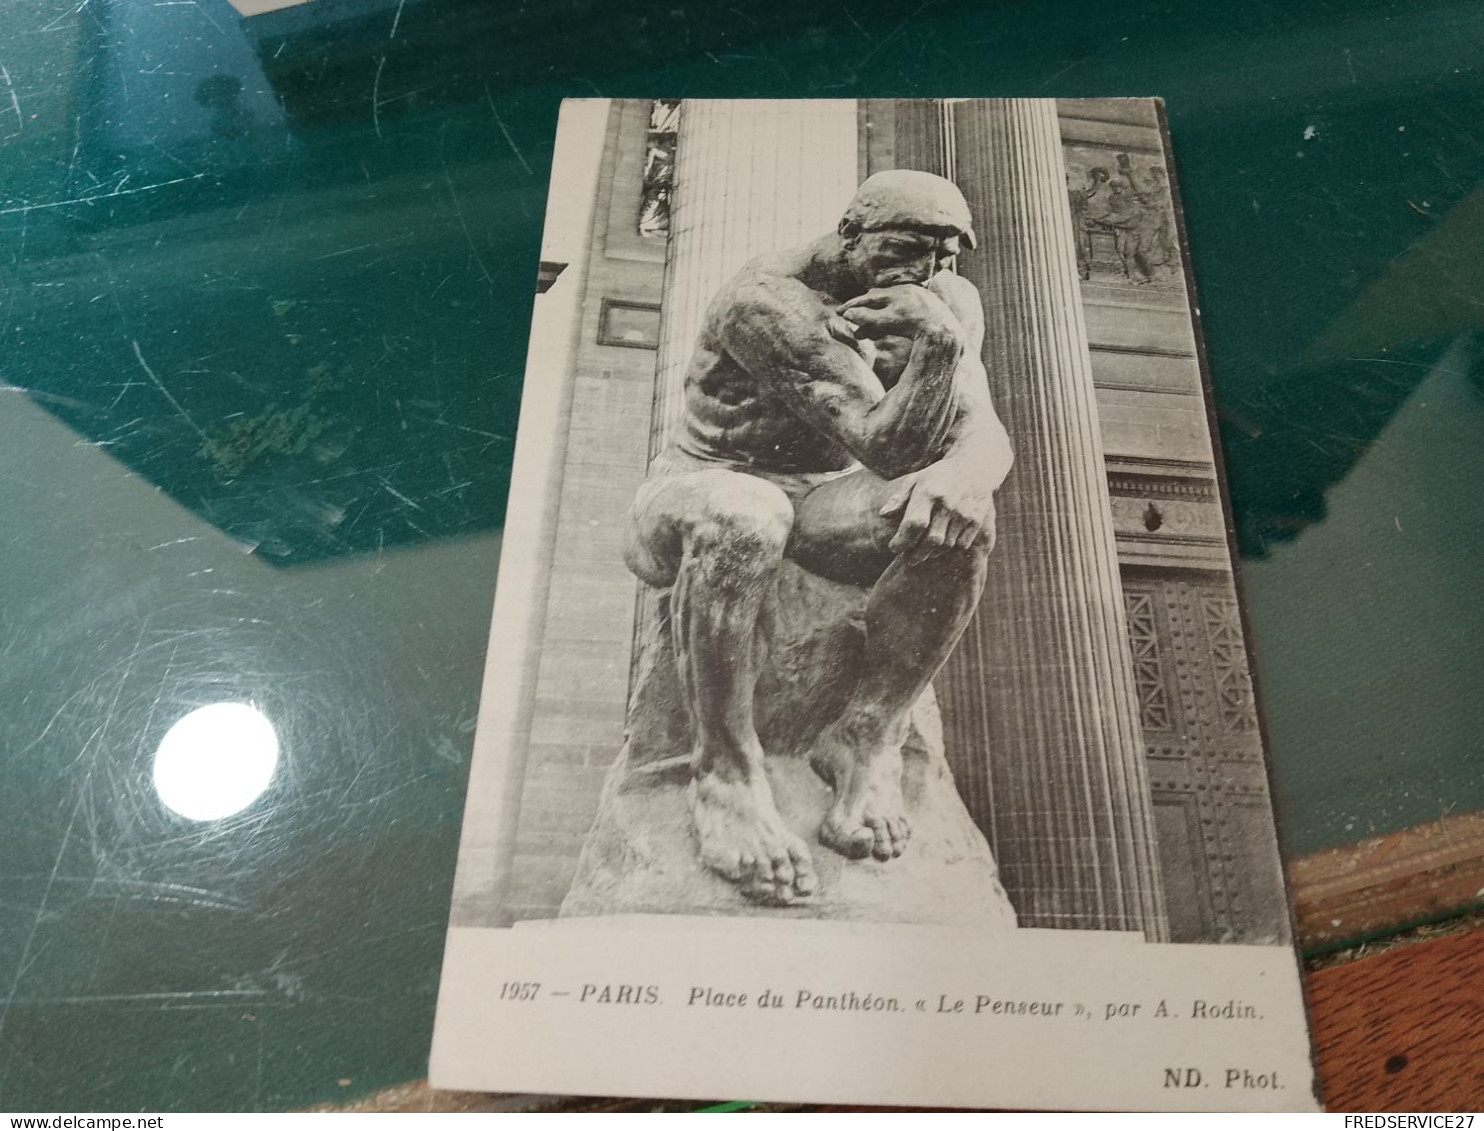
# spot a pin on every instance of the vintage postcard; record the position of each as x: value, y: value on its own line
x: 868, y: 714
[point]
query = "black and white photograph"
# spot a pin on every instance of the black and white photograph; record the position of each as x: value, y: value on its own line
x: 867, y: 583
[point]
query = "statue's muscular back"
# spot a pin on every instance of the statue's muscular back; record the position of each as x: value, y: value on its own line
x: 735, y: 418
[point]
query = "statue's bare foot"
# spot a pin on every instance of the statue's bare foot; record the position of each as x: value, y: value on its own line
x: 869, y: 817
x: 743, y: 838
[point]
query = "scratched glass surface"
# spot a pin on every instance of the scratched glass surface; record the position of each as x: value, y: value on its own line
x: 265, y: 290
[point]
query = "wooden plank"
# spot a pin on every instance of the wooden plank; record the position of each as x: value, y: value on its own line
x: 1389, y: 882
x: 1403, y: 1031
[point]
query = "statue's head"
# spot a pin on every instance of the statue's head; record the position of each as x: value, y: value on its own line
x: 904, y: 226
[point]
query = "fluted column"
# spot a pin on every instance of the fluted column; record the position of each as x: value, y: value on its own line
x: 1041, y: 690
x: 750, y: 177
x: 907, y: 133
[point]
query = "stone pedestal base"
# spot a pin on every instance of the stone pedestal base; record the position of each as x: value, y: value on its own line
x: 641, y: 853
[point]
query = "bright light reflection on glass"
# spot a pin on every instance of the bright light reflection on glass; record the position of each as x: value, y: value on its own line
x: 216, y: 761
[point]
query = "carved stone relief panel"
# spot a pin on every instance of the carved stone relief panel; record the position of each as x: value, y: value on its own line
x: 659, y: 169
x: 1123, y: 220
x: 1204, y: 759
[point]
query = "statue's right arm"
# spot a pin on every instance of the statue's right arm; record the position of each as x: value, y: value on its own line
x: 783, y: 335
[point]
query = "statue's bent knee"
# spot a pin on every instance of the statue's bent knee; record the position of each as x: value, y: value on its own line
x: 746, y: 525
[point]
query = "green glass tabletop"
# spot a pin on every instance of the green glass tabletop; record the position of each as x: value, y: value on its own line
x: 265, y: 293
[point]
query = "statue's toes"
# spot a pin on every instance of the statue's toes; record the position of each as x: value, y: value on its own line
x: 747, y: 868
x: 889, y: 836
x: 767, y: 884
x: 882, y: 846
x: 793, y: 872
x: 726, y: 861
x: 848, y: 838
x: 759, y: 893
x: 899, y: 829
x: 805, y: 882
x: 783, y: 871
x: 753, y: 885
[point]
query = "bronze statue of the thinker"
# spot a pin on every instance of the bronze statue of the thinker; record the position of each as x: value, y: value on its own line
x: 836, y: 415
